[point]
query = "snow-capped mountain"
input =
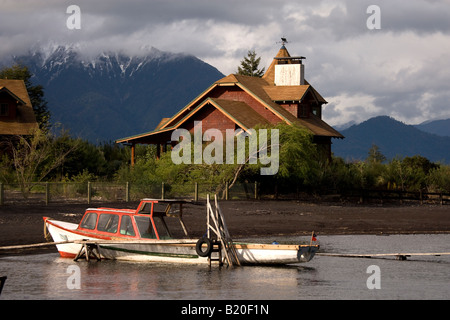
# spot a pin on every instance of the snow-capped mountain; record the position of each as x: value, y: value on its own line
x: 114, y: 95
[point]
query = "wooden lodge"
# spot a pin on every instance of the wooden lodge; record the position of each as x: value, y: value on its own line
x: 238, y: 101
x: 16, y: 112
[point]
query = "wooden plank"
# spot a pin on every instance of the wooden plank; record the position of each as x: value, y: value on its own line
x: 35, y: 245
x: 169, y: 242
x: 262, y: 246
x: 227, y: 242
x: 351, y: 255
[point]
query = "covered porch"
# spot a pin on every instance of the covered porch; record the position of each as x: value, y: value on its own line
x: 160, y: 138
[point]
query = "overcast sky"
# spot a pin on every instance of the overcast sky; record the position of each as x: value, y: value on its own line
x: 401, y: 70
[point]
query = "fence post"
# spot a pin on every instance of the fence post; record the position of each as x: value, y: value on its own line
x: 226, y: 190
x: 127, y: 192
x: 256, y: 190
x: 196, y: 191
x: 47, y: 193
x: 162, y: 191
x: 89, y: 192
x: 1, y: 193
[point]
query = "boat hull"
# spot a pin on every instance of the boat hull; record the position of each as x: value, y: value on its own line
x: 174, y: 251
x: 274, y: 254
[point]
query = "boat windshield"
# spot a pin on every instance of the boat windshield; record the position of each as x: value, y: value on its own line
x: 145, y: 228
x: 108, y: 222
x: 89, y: 221
x: 126, y: 226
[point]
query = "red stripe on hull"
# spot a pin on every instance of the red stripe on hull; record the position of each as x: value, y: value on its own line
x: 67, y: 255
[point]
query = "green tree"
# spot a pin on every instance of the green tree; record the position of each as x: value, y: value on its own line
x: 409, y: 173
x: 438, y: 179
x: 298, y: 164
x: 375, y: 155
x: 299, y: 157
x: 34, y: 158
x: 249, y: 66
x: 36, y: 93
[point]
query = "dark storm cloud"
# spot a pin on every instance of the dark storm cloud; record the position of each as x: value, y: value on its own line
x: 399, y: 70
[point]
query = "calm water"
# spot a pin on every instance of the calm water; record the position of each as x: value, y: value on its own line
x: 46, y: 276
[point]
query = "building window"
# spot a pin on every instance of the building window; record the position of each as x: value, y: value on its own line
x: 304, y: 111
x: 317, y: 112
x: 4, y: 109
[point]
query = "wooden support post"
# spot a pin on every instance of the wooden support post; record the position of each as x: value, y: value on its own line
x: 88, y: 249
x: 196, y: 192
x: 311, y: 241
x: 89, y: 192
x: 158, y: 151
x: 133, y: 154
x: 180, y: 218
x: 226, y: 190
x: 162, y: 191
x: 127, y: 192
x: 256, y: 190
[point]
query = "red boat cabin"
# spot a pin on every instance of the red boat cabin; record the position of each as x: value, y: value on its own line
x: 146, y: 222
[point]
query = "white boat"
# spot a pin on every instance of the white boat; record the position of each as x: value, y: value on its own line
x: 146, y: 234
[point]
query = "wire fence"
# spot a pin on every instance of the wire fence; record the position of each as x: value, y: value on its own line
x: 90, y: 192
x: 54, y: 192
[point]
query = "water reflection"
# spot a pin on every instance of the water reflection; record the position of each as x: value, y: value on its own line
x: 129, y: 280
x: 45, y: 276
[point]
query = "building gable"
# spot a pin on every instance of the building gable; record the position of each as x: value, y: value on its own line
x: 16, y: 112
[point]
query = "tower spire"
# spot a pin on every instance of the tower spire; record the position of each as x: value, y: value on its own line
x: 283, y: 42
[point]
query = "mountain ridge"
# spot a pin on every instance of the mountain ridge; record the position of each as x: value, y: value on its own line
x: 113, y: 95
x: 394, y: 138
x: 441, y: 127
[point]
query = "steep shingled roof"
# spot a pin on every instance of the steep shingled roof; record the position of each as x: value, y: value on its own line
x: 264, y: 92
x: 269, y: 75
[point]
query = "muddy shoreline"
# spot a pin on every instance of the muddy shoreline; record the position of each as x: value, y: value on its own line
x: 23, y: 223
